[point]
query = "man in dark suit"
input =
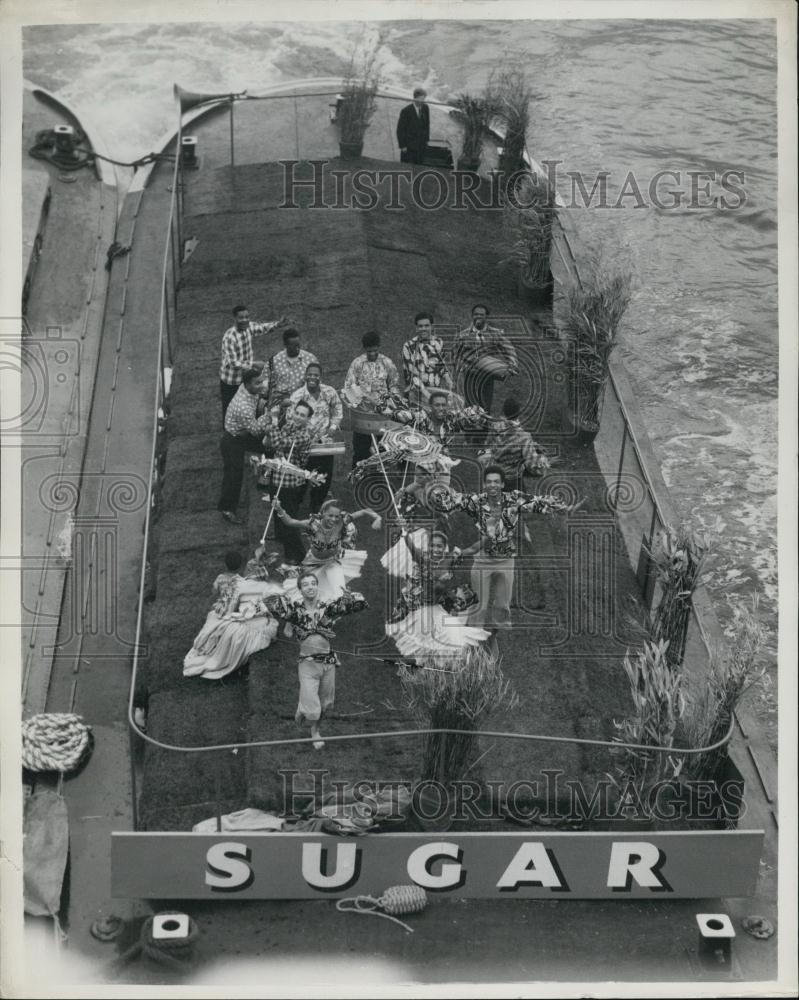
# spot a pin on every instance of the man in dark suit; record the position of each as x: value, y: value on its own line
x: 413, y: 128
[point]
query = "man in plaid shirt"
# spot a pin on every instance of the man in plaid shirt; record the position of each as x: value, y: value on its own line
x: 423, y: 364
x: 292, y: 438
x: 243, y: 432
x: 237, y: 354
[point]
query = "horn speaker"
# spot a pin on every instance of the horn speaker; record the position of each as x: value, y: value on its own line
x: 188, y: 99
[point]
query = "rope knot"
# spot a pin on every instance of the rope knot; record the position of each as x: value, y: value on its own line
x: 397, y: 899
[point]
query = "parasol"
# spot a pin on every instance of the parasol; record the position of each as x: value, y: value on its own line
x: 414, y: 446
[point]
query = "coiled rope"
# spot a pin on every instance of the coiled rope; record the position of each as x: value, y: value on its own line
x: 174, y: 953
x: 58, y: 741
x: 398, y: 899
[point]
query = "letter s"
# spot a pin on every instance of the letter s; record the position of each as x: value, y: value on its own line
x: 228, y: 867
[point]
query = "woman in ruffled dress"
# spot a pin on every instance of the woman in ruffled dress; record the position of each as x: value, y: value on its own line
x: 310, y: 619
x: 429, y: 619
x: 238, y: 625
x: 332, y: 555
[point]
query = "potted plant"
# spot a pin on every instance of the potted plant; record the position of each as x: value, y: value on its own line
x: 476, y: 115
x: 529, y: 214
x: 658, y: 707
x: 677, y: 556
x: 733, y: 671
x: 359, y: 93
x: 594, y: 311
x: 513, y: 94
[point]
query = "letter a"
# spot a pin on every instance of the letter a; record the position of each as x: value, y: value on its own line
x: 532, y: 864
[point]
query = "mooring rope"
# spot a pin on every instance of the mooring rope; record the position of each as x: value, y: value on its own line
x: 174, y: 953
x: 58, y: 741
x: 398, y: 899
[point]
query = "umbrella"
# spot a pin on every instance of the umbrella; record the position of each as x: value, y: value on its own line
x: 414, y: 446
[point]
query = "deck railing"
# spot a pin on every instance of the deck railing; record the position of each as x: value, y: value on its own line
x: 621, y: 451
x: 642, y: 502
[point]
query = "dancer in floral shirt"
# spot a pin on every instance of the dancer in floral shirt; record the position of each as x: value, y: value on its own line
x: 237, y: 626
x: 429, y: 617
x: 332, y: 536
x: 496, y: 514
x: 311, y: 621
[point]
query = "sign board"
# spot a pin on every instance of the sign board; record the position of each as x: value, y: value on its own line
x: 679, y: 865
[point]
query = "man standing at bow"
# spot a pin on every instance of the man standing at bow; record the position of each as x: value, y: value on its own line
x: 324, y: 424
x: 237, y: 354
x: 413, y: 128
x: 496, y: 514
x: 476, y: 348
x: 423, y: 365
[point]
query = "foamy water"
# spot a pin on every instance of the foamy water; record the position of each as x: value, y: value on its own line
x: 701, y: 333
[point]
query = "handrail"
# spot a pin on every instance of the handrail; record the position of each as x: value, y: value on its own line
x: 156, y: 408
x: 390, y: 734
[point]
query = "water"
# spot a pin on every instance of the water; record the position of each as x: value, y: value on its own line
x: 701, y: 338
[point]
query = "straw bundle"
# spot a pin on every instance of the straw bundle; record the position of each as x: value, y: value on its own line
x: 445, y: 693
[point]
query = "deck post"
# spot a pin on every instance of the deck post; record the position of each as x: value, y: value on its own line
x: 168, y: 329
x: 232, y: 143
x: 134, y: 794
x: 217, y: 792
x: 173, y: 253
x: 621, y: 464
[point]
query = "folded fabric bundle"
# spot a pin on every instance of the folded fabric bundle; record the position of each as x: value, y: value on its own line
x: 244, y: 819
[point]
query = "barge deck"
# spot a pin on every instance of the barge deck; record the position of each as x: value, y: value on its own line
x: 337, y: 273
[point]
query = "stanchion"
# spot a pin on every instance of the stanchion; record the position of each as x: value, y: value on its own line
x: 277, y: 494
x: 385, y: 476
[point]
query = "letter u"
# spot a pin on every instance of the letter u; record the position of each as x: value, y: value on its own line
x: 346, y: 872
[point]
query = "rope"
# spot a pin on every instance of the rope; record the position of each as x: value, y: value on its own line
x: 398, y: 899
x: 174, y: 953
x: 42, y: 149
x: 55, y: 742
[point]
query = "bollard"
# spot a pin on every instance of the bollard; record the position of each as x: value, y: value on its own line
x: 188, y: 151
x: 715, y: 939
x: 170, y: 925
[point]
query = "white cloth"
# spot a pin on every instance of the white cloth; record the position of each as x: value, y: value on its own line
x: 333, y: 574
x: 398, y: 561
x: 430, y: 631
x: 244, y: 819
